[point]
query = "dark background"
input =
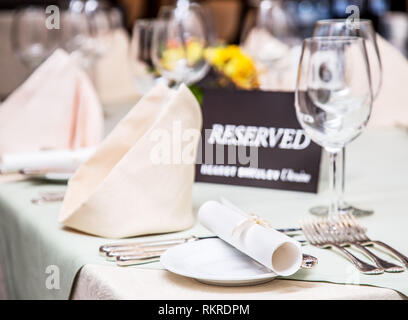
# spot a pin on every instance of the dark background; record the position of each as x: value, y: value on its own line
x: 232, y: 12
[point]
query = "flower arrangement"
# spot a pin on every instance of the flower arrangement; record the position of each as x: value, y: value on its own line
x: 234, y: 64
x: 231, y: 62
x: 175, y: 52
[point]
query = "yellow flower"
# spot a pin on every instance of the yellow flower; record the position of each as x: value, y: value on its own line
x: 235, y: 64
x: 175, y: 52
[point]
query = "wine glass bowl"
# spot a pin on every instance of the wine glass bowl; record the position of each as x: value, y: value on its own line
x: 361, y: 28
x: 333, y: 97
x: 272, y: 26
x: 31, y: 40
x: 86, y: 30
x: 140, y: 54
x: 178, y: 46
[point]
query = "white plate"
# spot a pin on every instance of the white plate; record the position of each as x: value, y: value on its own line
x: 213, y: 261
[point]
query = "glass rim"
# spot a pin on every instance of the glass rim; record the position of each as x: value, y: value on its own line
x: 342, y: 20
x: 333, y: 39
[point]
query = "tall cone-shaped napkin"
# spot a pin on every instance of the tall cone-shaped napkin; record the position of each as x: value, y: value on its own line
x: 113, y: 72
x: 390, y: 107
x: 55, y: 108
x: 139, y: 181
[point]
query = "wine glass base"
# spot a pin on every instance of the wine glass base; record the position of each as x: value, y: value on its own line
x: 323, y: 211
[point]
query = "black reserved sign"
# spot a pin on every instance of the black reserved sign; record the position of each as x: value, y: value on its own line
x: 252, y: 138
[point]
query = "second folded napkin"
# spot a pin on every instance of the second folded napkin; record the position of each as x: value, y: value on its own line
x: 139, y: 181
x: 55, y: 108
x: 253, y: 236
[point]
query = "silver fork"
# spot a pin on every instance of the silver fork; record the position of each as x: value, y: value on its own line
x: 320, y: 238
x: 343, y: 234
x: 49, y: 197
x: 364, y: 240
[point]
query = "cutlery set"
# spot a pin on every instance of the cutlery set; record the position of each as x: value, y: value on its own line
x: 343, y: 231
x: 127, y: 254
x: 46, y: 197
x: 338, y: 232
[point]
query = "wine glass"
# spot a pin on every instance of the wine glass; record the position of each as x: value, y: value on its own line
x: 141, y: 41
x: 202, y: 12
x: 359, y: 28
x: 333, y: 97
x: 178, y: 45
x: 31, y: 40
x: 140, y: 49
x: 86, y: 30
x: 269, y: 38
x: 271, y: 22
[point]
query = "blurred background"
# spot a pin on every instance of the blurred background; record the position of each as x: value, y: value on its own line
x: 229, y: 18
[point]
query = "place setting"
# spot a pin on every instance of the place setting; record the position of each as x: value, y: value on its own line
x: 227, y: 170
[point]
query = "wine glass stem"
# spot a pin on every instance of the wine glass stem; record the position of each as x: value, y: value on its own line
x: 342, y: 167
x: 335, y: 183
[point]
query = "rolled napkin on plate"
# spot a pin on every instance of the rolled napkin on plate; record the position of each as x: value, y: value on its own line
x: 45, y: 161
x: 55, y: 108
x: 253, y: 236
x: 139, y: 181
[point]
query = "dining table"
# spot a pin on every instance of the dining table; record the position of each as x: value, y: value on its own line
x: 33, y: 245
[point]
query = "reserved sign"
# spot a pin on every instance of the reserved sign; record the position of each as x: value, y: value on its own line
x: 252, y: 138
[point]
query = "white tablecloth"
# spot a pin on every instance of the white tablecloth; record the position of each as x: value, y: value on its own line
x: 102, y: 282
x: 377, y: 176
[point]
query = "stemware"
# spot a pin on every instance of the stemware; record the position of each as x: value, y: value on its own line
x: 86, y: 30
x: 271, y: 21
x: 140, y: 54
x: 269, y: 37
x: 31, y: 40
x: 178, y: 45
x: 360, y: 28
x: 333, y: 97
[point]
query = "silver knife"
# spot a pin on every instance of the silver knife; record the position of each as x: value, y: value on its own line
x: 104, y: 249
x: 130, y: 259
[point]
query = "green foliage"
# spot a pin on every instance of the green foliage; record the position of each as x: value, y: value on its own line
x: 197, y: 92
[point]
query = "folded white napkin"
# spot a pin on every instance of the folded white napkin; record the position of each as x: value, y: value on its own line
x: 390, y: 107
x: 253, y: 236
x: 55, y: 108
x: 125, y: 189
x: 55, y: 160
x: 113, y: 72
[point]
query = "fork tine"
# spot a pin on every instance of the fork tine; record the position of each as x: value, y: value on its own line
x: 306, y: 231
x: 353, y: 220
x: 317, y: 229
x: 314, y: 237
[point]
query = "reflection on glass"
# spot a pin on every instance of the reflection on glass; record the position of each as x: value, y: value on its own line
x: 31, y: 40
x: 179, y: 43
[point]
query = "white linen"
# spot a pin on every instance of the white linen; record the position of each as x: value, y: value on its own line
x: 113, y: 72
x: 96, y: 282
x: 129, y: 187
x: 55, y: 108
x: 53, y: 160
x: 269, y: 247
